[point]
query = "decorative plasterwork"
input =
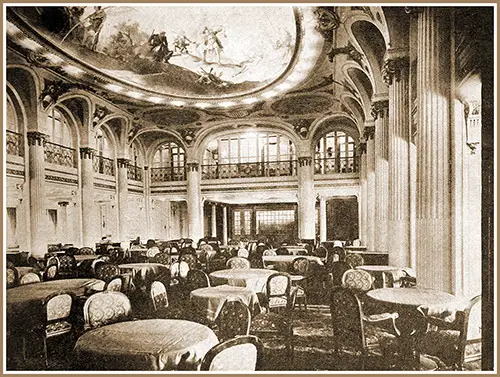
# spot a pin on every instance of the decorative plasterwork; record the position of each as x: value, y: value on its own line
x: 327, y: 20
x: 348, y: 50
x: 392, y: 69
x: 380, y: 109
x: 369, y: 132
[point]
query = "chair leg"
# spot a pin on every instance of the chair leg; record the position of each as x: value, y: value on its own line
x: 45, y: 352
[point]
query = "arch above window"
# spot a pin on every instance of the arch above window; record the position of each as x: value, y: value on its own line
x: 58, y: 129
x: 335, y: 153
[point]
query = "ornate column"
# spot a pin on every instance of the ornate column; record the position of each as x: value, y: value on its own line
x: 322, y: 219
x: 90, y: 223
x: 63, y: 231
x: 363, y: 199
x: 380, y: 113
x: 433, y: 205
x: 369, y: 135
x: 147, y: 203
x: 224, y: 225
x: 306, y: 198
x: 122, y: 192
x: 38, y: 217
x: 214, y: 220
x: 193, y: 198
x: 396, y: 73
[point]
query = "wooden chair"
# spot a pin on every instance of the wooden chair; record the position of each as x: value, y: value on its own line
x: 234, y: 319
x: 243, y: 253
x: 30, y: 278
x: 197, y: 279
x: 57, y: 308
x: 278, y: 318
x: 269, y: 252
x: 348, y: 324
x: 104, y: 308
x: 11, y: 277
x: 358, y: 280
x: 106, y: 271
x: 86, y: 251
x: 237, y: 262
x: 116, y: 283
x: 244, y: 353
x: 67, y: 266
x: 300, y: 267
x: 159, y: 297
x: 50, y: 273
x: 191, y: 260
x: 179, y: 271
x: 117, y: 255
x: 354, y: 260
x: 162, y: 258
x: 448, y: 339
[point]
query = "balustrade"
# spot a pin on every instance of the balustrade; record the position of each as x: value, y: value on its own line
x: 103, y: 165
x: 250, y: 170
x: 134, y: 172
x: 169, y: 174
x: 60, y: 155
x: 335, y: 165
x: 14, y: 143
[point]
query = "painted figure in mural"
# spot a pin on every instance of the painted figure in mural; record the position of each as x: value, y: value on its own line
x: 159, y: 47
x: 180, y: 44
x: 93, y: 27
x: 77, y: 30
x: 211, y: 42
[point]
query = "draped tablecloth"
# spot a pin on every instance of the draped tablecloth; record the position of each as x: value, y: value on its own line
x: 24, y: 303
x: 252, y: 278
x: 209, y: 300
x: 143, y: 271
x: 152, y: 344
x: 285, y: 261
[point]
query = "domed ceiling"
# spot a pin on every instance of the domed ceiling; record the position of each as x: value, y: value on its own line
x: 173, y: 52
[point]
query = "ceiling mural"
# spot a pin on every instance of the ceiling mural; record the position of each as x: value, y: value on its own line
x: 202, y: 52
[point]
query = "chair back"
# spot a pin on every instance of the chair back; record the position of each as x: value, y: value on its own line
x: 152, y: 252
x: 243, y: 253
x: 238, y: 262
x: 58, y: 305
x: 116, y: 284
x: 67, y: 265
x: 337, y: 270
x: 347, y: 323
x: 162, y: 258
x: 52, y: 260
x: 197, y: 279
x: 159, y: 297
x: 354, y: 260
x: 50, y: 273
x: 30, y: 278
x: 282, y: 251
x: 86, y: 251
x: 106, y: 271
x: 234, y: 319
x: 179, y: 269
x: 117, y: 255
x: 244, y: 353
x: 11, y: 277
x: 321, y: 252
x: 278, y: 287
x: 190, y: 259
x: 269, y: 252
x: 358, y: 280
x: 104, y: 308
x: 300, y: 266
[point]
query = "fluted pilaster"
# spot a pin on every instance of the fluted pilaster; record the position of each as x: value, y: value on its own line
x: 363, y: 199
x: 90, y: 223
x: 36, y: 143
x: 433, y: 208
x: 369, y: 135
x: 214, y: 221
x: 306, y: 198
x: 397, y: 65
x: 224, y: 226
x: 122, y: 191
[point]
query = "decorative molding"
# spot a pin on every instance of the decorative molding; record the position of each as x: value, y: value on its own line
x: 305, y: 161
x: 380, y: 109
x: 188, y: 135
x: 52, y: 91
x: 56, y: 178
x: 63, y: 203
x: 36, y: 138
x: 99, y: 113
x: 122, y: 163
x: 136, y: 190
x: 369, y: 132
x: 192, y: 166
x: 87, y: 153
x: 102, y: 185
x: 349, y: 50
x: 392, y: 69
x: 15, y: 172
x: 327, y: 20
x: 362, y: 147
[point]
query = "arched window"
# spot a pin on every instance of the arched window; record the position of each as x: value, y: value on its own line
x: 59, y: 148
x: 335, y: 153
x: 250, y: 154
x: 104, y: 158
x: 168, y: 163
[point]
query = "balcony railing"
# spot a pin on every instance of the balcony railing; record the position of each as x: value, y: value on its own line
x: 60, y: 155
x: 103, y: 165
x: 250, y: 170
x: 172, y: 174
x: 134, y: 172
x: 336, y: 165
x: 15, y: 143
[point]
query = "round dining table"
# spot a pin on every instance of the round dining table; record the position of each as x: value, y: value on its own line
x: 149, y: 345
x: 285, y: 261
x: 143, y: 271
x: 379, y: 272
x: 414, y: 297
x: 251, y: 278
x: 208, y: 301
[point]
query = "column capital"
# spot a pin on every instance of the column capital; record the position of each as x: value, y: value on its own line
x: 87, y: 153
x: 122, y: 162
x: 192, y: 166
x: 380, y: 108
x: 362, y: 147
x: 369, y: 132
x: 36, y: 138
x: 305, y: 161
x: 393, y: 67
x: 63, y: 203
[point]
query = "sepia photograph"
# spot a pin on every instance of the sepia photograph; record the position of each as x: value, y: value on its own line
x: 250, y: 188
